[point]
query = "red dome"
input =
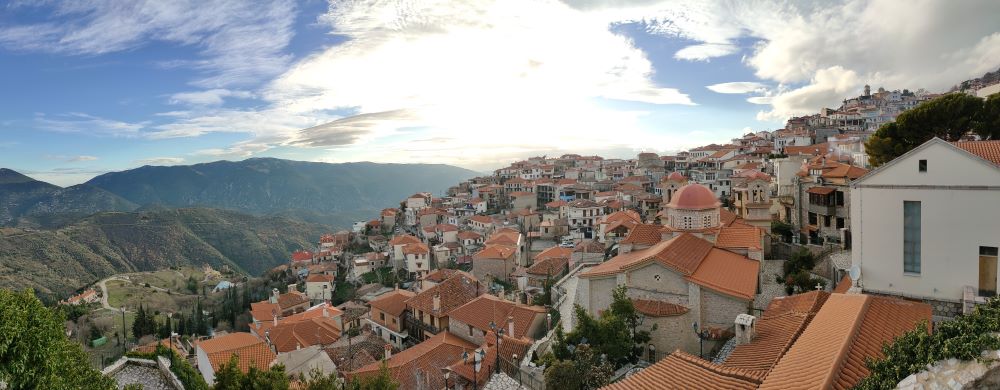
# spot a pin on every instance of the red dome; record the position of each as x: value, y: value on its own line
x: 694, y: 197
x: 676, y: 176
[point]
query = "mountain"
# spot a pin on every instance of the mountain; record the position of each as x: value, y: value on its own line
x: 62, y: 260
x: 333, y: 194
x: 27, y: 201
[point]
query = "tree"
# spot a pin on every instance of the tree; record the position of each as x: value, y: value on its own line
x: 34, y: 350
x: 782, y: 229
x: 381, y: 381
x: 563, y: 375
x: 192, y: 285
x: 948, y: 117
x: 615, y: 334
x: 318, y: 381
x: 587, y: 370
x: 230, y: 377
x: 797, y: 272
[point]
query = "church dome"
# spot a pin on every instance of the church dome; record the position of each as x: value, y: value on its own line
x: 676, y: 176
x: 694, y: 197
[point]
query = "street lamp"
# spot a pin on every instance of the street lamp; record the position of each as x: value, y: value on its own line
x: 499, y: 334
x: 652, y: 353
x: 478, y: 356
x: 702, y: 335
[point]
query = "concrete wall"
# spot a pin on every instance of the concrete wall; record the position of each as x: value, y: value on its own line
x: 959, y: 214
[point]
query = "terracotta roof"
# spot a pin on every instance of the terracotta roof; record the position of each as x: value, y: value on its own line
x: 319, y: 278
x: 683, y: 253
x: 415, y: 249
x: 589, y: 246
x: 495, y: 252
x: 302, y: 256
x: 506, y: 236
x: 556, y: 203
x: 777, y: 329
x: 554, y: 252
x: 729, y: 273
x: 469, y: 235
x: 843, y: 285
x: 487, y: 308
x: 845, y: 171
x: 454, y: 292
x: 676, y: 176
x: 393, y: 302
x: 291, y: 299
x: 988, y: 150
x: 264, y: 310
x: 656, y: 308
x: 821, y: 190
x: 740, y: 237
x: 726, y: 217
x: 683, y: 371
x: 423, y: 361
x: 251, y: 351
x: 584, y: 203
x: 509, y: 347
x: 439, y: 275
x: 694, y: 197
x: 814, y: 150
x: 830, y: 352
x: 643, y: 234
x: 403, y: 240
x: 549, y: 266
x: 292, y: 335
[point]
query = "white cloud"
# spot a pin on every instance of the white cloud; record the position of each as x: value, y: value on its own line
x: 160, y: 161
x: 239, y: 42
x: 738, y: 87
x: 211, y: 97
x: 71, y: 158
x: 83, y: 123
x: 705, y: 51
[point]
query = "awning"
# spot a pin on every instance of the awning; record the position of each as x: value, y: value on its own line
x: 821, y: 190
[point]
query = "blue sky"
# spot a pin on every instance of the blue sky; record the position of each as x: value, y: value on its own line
x: 95, y: 86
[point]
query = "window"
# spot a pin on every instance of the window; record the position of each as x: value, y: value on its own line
x: 812, y: 218
x: 470, y: 330
x: 911, y: 237
x: 826, y: 220
x: 922, y: 165
x: 381, y: 316
x: 840, y: 223
x: 840, y: 198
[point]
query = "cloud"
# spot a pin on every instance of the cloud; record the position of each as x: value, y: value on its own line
x: 829, y: 85
x: 239, y: 42
x: 349, y: 130
x: 705, y: 51
x: 211, y: 97
x: 160, y: 161
x: 738, y: 87
x: 83, y: 123
x: 71, y: 158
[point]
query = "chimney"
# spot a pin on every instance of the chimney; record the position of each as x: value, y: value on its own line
x: 293, y: 287
x: 274, y: 314
x: 437, y: 302
x: 746, y: 328
x: 510, y: 326
x: 274, y: 295
x: 388, y: 351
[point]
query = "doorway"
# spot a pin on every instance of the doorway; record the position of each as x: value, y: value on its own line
x: 987, y: 271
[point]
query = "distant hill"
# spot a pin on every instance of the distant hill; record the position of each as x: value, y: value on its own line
x: 333, y: 194
x: 23, y: 199
x: 60, y: 261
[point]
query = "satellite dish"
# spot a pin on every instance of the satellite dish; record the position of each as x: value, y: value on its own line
x: 855, y: 272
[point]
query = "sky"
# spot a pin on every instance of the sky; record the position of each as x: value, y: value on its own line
x: 92, y: 86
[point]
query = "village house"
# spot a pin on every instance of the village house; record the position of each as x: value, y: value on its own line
x: 420, y: 366
x: 280, y: 305
x: 583, y: 214
x: 319, y: 325
x: 429, y: 309
x: 925, y: 225
x: 250, y: 352
x: 388, y: 219
x: 481, y: 223
x: 386, y: 317
x: 418, y: 259
x: 823, y: 200
x: 319, y: 287
x: 752, y: 200
x: 473, y: 320
x: 397, y: 244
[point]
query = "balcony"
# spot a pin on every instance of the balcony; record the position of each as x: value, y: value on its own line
x: 823, y: 209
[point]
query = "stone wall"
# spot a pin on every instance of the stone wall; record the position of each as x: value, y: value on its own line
x: 957, y: 374
x: 720, y: 310
x: 657, y: 278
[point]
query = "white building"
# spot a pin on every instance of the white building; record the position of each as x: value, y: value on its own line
x: 926, y: 225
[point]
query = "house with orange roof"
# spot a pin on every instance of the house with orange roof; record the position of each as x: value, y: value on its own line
x: 752, y: 200
x: 428, y: 310
x: 388, y: 218
x: 495, y: 261
x: 319, y: 287
x: 822, y: 200
x: 472, y: 321
x: 481, y: 223
x: 418, y: 258
x: 85, y: 297
x: 814, y: 340
x: 925, y: 225
x: 387, y: 316
x: 279, y: 305
x: 615, y: 226
x: 250, y: 352
x: 396, y: 244
x: 420, y: 366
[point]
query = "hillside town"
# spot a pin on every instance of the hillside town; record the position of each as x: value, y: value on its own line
x: 493, y: 282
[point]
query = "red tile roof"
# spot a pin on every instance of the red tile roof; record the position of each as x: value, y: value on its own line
x: 290, y: 335
x: 302, y: 256
x: 643, y: 234
x: 415, y: 249
x: 656, y: 308
x: 403, y: 240
x: 740, y: 237
x: 552, y: 266
x: 682, y: 371
x: 729, y: 273
x: 502, y: 252
x: 393, y: 302
x: 319, y: 278
x: 830, y: 352
x: 469, y: 235
x: 683, y: 253
x: 453, y: 292
x: 488, y: 308
x: 554, y: 252
x: 251, y: 351
x: 423, y: 361
x: 988, y: 150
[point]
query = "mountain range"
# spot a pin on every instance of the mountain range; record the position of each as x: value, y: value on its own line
x: 330, y: 194
x: 249, y: 215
